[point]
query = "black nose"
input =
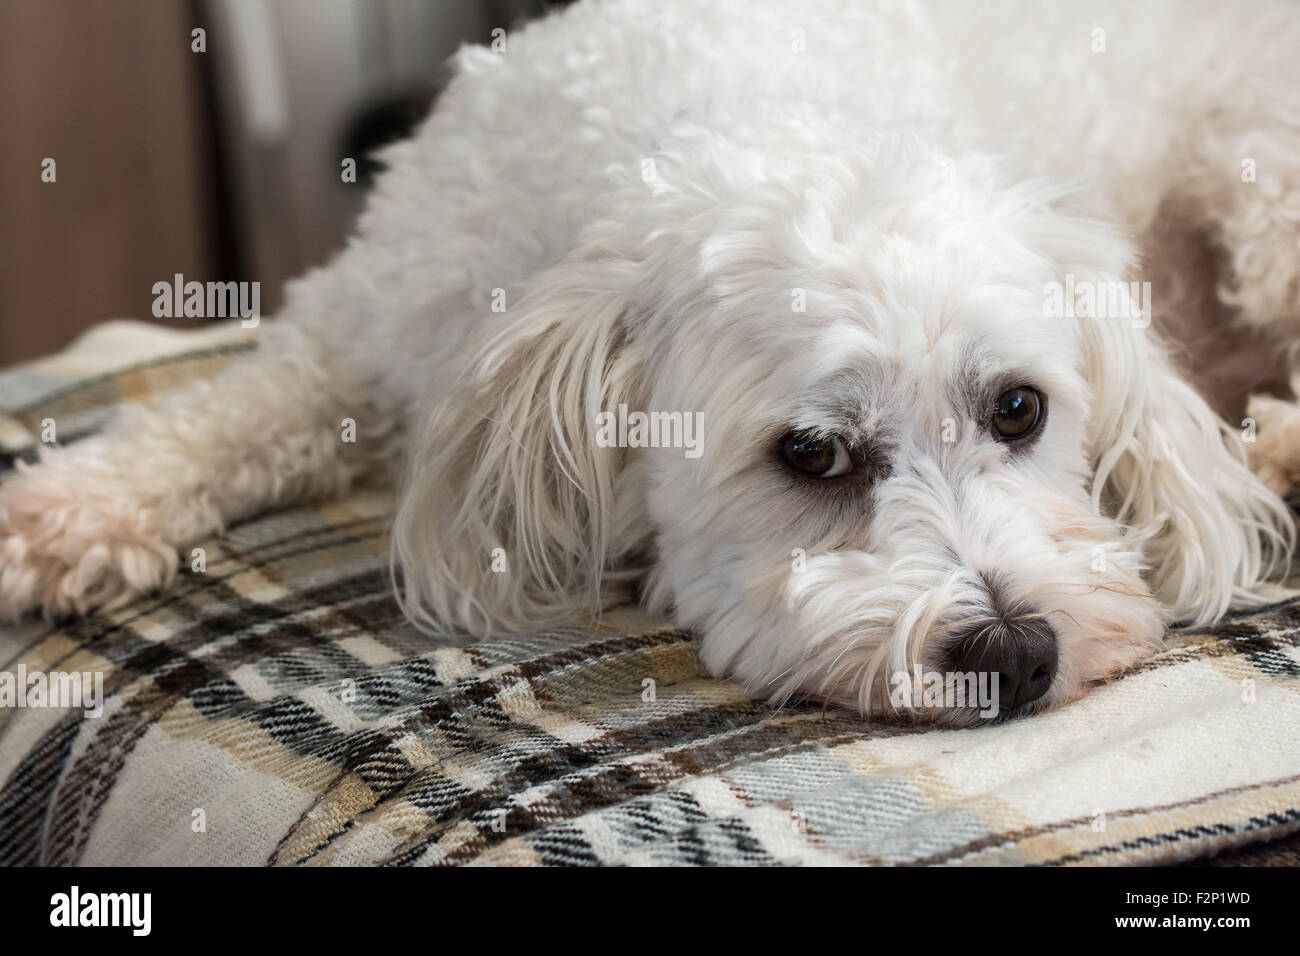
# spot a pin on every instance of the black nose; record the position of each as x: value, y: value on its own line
x: 1022, y: 652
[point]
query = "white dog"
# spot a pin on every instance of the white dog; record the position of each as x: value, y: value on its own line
x: 889, y: 256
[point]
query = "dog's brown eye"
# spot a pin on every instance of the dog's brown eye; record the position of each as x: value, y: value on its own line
x: 1016, y: 413
x: 816, y: 456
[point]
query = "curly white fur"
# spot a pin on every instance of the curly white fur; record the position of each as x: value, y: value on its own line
x: 649, y: 186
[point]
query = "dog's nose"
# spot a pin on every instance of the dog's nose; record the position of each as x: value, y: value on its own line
x: 1022, y: 653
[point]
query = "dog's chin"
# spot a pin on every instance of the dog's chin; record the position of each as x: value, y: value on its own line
x: 1065, y: 688
x: 1086, y: 664
x: 1100, y: 636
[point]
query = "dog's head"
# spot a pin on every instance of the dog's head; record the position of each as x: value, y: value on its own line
x: 896, y: 440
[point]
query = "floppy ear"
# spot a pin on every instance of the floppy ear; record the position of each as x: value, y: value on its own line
x: 507, y: 460
x: 1167, y: 467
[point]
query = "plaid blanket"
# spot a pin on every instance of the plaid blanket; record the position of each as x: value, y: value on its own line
x: 276, y: 708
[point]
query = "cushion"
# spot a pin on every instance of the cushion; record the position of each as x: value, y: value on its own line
x: 273, y: 707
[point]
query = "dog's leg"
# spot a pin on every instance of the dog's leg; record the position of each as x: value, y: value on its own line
x: 1240, y: 176
x: 100, y: 521
x: 1258, y: 224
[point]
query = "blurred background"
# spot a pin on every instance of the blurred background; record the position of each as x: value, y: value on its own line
x: 221, y: 164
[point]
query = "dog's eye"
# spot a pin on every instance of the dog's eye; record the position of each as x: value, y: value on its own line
x: 1016, y: 413
x: 816, y: 456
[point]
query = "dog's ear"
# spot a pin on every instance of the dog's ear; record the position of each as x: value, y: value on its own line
x: 1169, y: 469
x: 506, y: 517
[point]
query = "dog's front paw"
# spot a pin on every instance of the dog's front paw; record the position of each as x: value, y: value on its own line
x: 67, y: 548
x: 1274, y: 450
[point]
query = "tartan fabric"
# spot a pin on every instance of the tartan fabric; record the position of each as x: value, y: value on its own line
x: 280, y: 700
